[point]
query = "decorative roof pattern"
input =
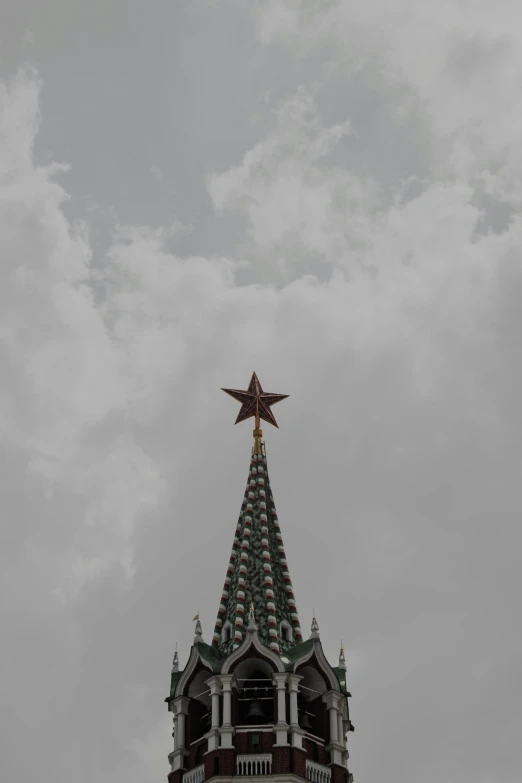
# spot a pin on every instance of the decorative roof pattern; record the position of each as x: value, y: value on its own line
x: 258, y: 573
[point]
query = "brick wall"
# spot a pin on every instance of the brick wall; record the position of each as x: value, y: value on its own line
x: 280, y: 760
x: 299, y: 762
x: 243, y: 741
x: 219, y: 762
x: 339, y: 774
x: 316, y: 751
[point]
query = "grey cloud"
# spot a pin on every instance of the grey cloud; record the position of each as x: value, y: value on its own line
x: 396, y: 468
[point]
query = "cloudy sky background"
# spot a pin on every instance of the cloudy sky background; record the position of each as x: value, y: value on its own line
x: 329, y: 193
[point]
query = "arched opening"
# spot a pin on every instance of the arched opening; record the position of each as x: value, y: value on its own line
x: 255, y: 694
x: 200, y: 717
x: 226, y: 634
x: 311, y: 709
x: 285, y: 630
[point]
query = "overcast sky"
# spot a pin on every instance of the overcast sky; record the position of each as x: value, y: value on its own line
x: 329, y: 193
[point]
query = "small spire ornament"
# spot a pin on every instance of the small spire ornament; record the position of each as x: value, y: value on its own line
x: 198, y: 631
x: 175, y: 662
x: 342, y: 661
x: 314, y: 628
x: 251, y: 619
x: 255, y: 402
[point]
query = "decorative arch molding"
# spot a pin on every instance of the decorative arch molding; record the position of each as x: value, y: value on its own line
x: 285, y: 631
x: 252, y: 643
x: 194, y: 664
x: 322, y: 664
x: 227, y: 632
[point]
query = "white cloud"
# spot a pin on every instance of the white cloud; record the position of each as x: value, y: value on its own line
x: 461, y: 60
x: 62, y: 374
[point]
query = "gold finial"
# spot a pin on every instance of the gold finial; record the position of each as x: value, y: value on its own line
x: 258, y: 434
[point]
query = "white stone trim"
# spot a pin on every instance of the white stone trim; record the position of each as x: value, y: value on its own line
x: 189, y: 670
x: 249, y: 764
x: 252, y: 641
x: 255, y: 729
x: 227, y: 629
x: 317, y: 773
x: 196, y: 775
x: 326, y: 669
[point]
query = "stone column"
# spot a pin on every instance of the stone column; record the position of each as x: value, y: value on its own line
x: 215, y: 691
x: 181, y: 730
x: 340, y: 728
x: 180, y: 706
x: 332, y: 699
x: 296, y: 731
x: 227, y: 731
x: 175, y: 727
x: 281, y: 728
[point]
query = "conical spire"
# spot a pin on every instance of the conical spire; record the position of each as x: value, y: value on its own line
x: 175, y: 662
x: 314, y: 629
x: 257, y: 573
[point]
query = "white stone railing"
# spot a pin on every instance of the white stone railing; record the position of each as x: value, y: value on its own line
x: 318, y: 773
x: 196, y: 775
x: 254, y: 764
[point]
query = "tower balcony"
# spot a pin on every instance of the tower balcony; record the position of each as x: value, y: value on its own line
x: 318, y: 773
x: 260, y: 764
x: 196, y: 775
x: 249, y: 764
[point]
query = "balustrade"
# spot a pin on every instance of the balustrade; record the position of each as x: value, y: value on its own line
x: 254, y: 764
x: 196, y: 775
x: 318, y: 773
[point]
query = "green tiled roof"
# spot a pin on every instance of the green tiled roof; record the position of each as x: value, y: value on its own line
x: 258, y: 572
x: 212, y: 655
x: 341, y: 676
x: 290, y: 656
x: 174, y: 679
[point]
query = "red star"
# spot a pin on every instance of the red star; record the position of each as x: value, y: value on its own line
x: 255, y: 401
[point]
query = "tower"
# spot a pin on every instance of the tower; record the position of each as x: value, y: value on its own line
x: 259, y: 701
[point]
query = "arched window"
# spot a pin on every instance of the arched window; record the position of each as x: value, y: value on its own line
x: 285, y: 631
x: 199, y: 719
x: 226, y: 633
x: 255, y: 695
x: 312, y: 710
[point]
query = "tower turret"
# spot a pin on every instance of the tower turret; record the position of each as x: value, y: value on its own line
x: 258, y: 700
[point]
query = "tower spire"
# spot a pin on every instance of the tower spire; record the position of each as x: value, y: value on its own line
x: 258, y: 571
x: 258, y: 671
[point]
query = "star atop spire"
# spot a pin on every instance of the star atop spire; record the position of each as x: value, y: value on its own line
x: 255, y: 402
